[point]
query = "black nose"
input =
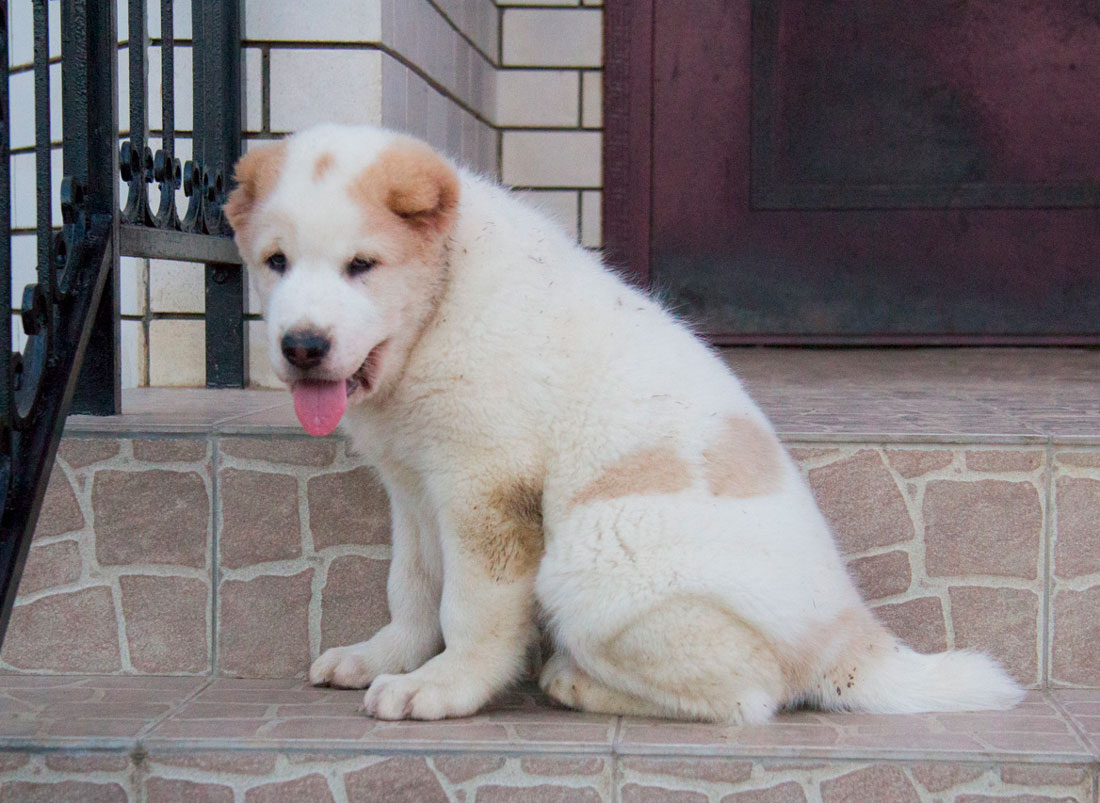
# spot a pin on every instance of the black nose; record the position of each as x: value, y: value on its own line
x: 305, y: 348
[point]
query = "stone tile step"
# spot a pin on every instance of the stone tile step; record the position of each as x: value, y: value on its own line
x: 149, y: 739
x: 178, y: 536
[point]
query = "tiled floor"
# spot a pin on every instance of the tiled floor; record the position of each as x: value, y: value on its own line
x: 287, y: 714
x: 1017, y: 395
x: 75, y: 735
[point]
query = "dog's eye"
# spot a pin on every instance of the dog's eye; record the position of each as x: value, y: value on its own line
x: 360, y: 265
x: 277, y: 262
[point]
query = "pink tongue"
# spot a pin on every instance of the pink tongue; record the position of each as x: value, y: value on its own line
x: 320, y: 405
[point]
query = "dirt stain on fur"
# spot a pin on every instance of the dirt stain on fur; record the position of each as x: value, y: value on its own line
x: 506, y: 530
x: 653, y: 470
x: 744, y: 461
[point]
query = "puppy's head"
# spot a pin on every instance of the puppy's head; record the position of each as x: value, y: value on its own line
x: 343, y: 231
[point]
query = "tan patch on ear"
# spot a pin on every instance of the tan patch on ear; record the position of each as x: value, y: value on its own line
x: 413, y: 182
x: 654, y: 470
x: 505, y: 530
x: 256, y: 173
x: 744, y: 461
x: 322, y: 165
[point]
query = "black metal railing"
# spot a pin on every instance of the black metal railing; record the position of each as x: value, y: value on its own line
x: 70, y: 314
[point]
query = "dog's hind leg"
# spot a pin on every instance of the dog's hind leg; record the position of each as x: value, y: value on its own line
x: 685, y: 657
x: 568, y: 684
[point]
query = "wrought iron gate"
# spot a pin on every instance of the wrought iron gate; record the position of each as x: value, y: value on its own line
x: 70, y: 315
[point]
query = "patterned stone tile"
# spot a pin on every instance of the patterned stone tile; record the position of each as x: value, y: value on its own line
x: 696, y: 780
x: 1075, y: 572
x: 291, y: 714
x: 365, y: 777
x: 947, y: 544
x: 303, y: 549
x: 1035, y: 728
x: 119, y: 573
x: 86, y: 711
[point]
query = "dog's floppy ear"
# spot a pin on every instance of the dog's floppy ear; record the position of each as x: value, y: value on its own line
x: 415, y: 183
x: 256, y: 174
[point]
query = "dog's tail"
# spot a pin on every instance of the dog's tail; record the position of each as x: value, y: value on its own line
x: 874, y: 672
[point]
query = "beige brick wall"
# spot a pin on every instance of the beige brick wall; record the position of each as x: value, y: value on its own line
x: 510, y: 88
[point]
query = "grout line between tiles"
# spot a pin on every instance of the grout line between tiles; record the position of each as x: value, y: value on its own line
x: 148, y: 729
x: 1048, y: 572
x: 1086, y: 740
x: 215, y: 563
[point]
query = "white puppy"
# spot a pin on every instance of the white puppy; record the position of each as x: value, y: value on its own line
x: 554, y: 445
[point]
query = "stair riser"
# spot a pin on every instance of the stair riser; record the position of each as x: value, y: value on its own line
x: 163, y: 775
x: 990, y: 546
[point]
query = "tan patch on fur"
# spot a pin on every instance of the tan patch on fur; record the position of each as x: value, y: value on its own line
x: 505, y: 530
x: 410, y: 194
x: 745, y: 460
x: 256, y: 173
x: 653, y: 470
x: 715, y: 653
x: 322, y: 165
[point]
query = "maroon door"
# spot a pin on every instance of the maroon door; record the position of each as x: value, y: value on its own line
x: 857, y: 170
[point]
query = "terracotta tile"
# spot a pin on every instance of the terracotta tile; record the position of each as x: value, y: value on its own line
x: 862, y: 502
x: 801, y: 454
x: 81, y: 452
x: 555, y: 766
x: 702, y: 769
x: 542, y: 793
x: 1075, y: 641
x: 259, y: 517
x: 50, y: 565
x: 313, y: 788
x: 88, y: 762
x: 1044, y: 774
x: 917, y: 622
x: 912, y: 463
x: 1081, y: 459
x: 60, y: 511
x: 9, y: 762
x: 201, y: 729
x: 1076, y: 546
x: 462, y: 768
x: 405, y: 779
x: 236, y: 763
x: 348, y: 507
x: 166, y: 623
x: 881, y: 576
x: 65, y: 632
x: 352, y: 727
x: 1002, y: 460
x: 250, y: 612
x: 317, y: 452
x: 92, y: 729
x: 990, y: 527
x: 353, y: 601
x: 1003, y: 622
x: 943, y: 776
x: 222, y: 710
x: 53, y: 791
x: 638, y: 793
x: 172, y: 790
x: 170, y: 450
x: 152, y: 516
x: 789, y: 792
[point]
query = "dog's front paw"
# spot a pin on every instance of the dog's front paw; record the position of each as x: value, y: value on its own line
x: 346, y: 667
x: 413, y: 696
